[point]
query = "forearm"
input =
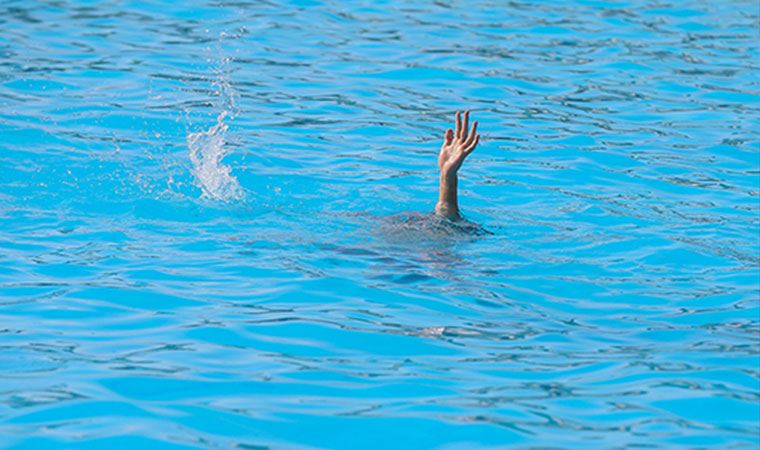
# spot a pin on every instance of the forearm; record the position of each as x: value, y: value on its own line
x: 447, y: 205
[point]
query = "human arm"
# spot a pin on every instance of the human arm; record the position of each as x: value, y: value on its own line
x: 457, y: 145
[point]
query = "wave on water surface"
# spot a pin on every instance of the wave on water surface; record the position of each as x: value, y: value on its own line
x: 200, y: 245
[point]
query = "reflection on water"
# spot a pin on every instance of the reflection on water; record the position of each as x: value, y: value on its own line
x: 201, y: 237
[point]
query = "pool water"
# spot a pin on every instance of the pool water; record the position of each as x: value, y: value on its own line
x: 215, y: 225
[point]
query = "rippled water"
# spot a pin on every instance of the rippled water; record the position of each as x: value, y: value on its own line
x: 214, y: 233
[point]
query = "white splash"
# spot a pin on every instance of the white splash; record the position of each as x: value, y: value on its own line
x: 207, y: 150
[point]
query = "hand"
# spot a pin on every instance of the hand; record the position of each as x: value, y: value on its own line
x: 457, y: 145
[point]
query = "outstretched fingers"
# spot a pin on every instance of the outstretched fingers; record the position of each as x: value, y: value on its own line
x: 448, y: 137
x: 472, y: 136
x: 463, y: 136
x: 471, y: 147
x: 458, y: 129
x: 466, y: 141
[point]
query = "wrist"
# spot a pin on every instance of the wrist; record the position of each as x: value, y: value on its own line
x: 448, y: 175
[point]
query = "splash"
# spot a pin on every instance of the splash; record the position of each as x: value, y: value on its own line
x: 207, y: 150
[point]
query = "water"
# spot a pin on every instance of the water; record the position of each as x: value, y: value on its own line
x: 214, y: 233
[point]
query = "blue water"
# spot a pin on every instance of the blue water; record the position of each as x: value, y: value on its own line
x: 213, y: 228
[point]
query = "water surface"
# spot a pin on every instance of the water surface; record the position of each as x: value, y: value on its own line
x: 213, y: 228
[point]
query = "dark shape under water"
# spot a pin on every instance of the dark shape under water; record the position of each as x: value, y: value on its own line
x: 435, y: 226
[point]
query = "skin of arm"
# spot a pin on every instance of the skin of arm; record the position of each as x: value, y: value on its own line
x: 457, y: 145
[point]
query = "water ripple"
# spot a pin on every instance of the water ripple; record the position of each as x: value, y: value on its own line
x: 203, y: 236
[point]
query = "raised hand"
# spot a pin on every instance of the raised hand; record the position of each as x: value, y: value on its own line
x: 457, y: 145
